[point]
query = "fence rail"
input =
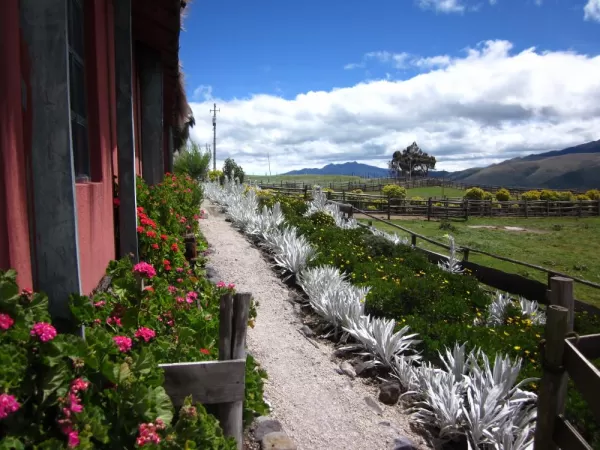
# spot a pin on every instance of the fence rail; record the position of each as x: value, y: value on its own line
x: 455, y: 208
x: 376, y: 184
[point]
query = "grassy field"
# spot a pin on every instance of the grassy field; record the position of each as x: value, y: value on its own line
x: 567, y: 245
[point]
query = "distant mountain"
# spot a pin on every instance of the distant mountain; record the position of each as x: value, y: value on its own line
x: 349, y: 168
x: 572, y: 168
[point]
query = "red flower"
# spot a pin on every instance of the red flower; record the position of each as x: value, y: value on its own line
x: 6, y: 321
x: 140, y: 229
x: 116, y: 202
x: 163, y: 237
x: 151, y: 234
x: 174, y: 247
x: 149, y: 289
x: 123, y: 343
x: 205, y: 351
x: 155, y: 246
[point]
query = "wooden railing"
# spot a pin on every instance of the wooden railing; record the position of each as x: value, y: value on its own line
x: 565, y: 355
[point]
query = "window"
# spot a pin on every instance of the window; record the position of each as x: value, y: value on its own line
x: 77, y: 91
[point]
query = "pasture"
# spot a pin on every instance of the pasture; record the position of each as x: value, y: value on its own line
x: 567, y: 245
x: 308, y: 179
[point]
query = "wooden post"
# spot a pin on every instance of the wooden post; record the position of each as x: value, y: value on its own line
x: 429, y: 209
x: 579, y: 208
x: 526, y: 211
x: 553, y: 384
x: 231, y: 414
x: 128, y: 239
x: 599, y: 207
x: 413, y: 240
x: 465, y: 254
x: 151, y: 93
x: 44, y: 25
x: 343, y: 196
x: 467, y: 209
x: 547, y: 208
x: 561, y: 290
x: 389, y: 208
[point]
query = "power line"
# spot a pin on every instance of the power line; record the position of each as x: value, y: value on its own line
x: 215, y: 111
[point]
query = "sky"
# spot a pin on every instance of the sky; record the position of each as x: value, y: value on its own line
x: 307, y: 83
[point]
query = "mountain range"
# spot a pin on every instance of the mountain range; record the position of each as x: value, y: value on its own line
x: 571, y: 168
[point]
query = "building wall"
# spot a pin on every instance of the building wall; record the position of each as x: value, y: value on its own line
x: 14, y: 226
x: 95, y: 199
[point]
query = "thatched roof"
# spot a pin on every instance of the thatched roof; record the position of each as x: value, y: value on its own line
x: 184, y: 116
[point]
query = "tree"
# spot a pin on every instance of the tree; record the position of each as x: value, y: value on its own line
x: 191, y: 160
x: 412, y: 161
x: 232, y: 170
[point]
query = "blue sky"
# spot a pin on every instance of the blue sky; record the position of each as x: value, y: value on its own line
x: 289, y: 75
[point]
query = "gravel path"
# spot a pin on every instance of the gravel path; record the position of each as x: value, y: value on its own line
x: 318, y: 408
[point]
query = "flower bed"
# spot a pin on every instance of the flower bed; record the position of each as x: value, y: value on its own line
x: 59, y: 391
x: 406, y: 294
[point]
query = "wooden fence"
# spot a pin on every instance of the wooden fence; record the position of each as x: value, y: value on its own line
x: 565, y: 355
x: 456, y: 208
x: 222, y: 382
x: 498, y: 279
x: 376, y: 184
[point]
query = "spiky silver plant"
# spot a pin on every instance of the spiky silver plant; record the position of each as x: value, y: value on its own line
x: 452, y: 264
x: 394, y: 238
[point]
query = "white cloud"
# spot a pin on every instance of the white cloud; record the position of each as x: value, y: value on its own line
x: 591, y: 10
x: 475, y: 110
x: 538, y: 2
x: 398, y: 60
x: 202, y: 92
x: 493, y: 2
x: 444, y: 6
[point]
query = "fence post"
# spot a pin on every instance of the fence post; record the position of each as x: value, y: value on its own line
x: 305, y: 193
x: 553, y: 384
x: 561, y: 294
x: 429, y: 209
x: 467, y: 209
x: 238, y: 309
x: 465, y: 254
x: 389, y: 208
x: 579, y: 208
x: 413, y: 240
x: 526, y: 212
x: 599, y: 206
x: 547, y: 208
x: 343, y: 196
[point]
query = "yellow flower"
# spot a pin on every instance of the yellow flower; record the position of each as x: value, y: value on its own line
x: 506, y: 334
x: 516, y: 347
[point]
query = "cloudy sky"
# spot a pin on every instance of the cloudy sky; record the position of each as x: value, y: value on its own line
x: 473, y: 82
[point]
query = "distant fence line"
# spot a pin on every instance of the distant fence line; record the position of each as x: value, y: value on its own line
x: 376, y: 184
x: 455, y: 208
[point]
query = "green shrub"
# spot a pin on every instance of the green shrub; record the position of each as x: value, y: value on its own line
x: 192, y: 161
x: 503, y: 195
x: 233, y: 170
x: 488, y: 195
x: 531, y: 195
x: 394, y: 191
x: 215, y: 175
x: 593, y: 194
x: 566, y: 196
x: 372, y: 208
x: 547, y: 194
x: 474, y: 193
x: 322, y: 219
x: 356, y: 191
x: 583, y: 197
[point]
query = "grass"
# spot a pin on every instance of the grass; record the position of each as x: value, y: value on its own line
x: 309, y: 179
x: 567, y: 245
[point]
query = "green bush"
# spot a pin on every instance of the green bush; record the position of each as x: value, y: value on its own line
x: 503, y: 195
x: 394, y: 191
x: 531, y: 195
x: 356, y: 191
x: 547, y: 194
x: 593, y: 194
x: 474, y: 193
x: 583, y: 197
x: 566, y: 196
x: 215, y: 175
x: 372, y: 208
x: 233, y: 170
x: 322, y: 219
x: 192, y: 161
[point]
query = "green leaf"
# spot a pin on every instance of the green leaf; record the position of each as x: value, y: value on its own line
x: 144, y: 363
x: 164, y: 406
x: 11, y: 443
x: 56, y: 378
x: 121, y: 372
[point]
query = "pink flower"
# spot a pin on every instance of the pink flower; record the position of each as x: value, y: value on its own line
x: 75, y: 403
x: 6, y: 321
x: 172, y: 289
x: 8, y: 405
x: 148, y: 434
x: 123, y: 343
x: 145, y: 333
x: 179, y: 269
x: 191, y: 297
x: 100, y: 304
x: 44, y: 331
x: 73, y: 439
x: 180, y: 280
x: 113, y: 320
x: 230, y: 286
x: 79, y: 385
x: 180, y: 299
x: 144, y: 269
x: 221, y: 284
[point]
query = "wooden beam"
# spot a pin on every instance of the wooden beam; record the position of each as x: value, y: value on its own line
x: 44, y: 25
x: 585, y: 376
x: 125, y: 131
x: 208, y: 382
x: 589, y: 345
x: 566, y: 436
x: 151, y: 87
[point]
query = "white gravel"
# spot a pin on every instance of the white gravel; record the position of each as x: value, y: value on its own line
x: 318, y: 408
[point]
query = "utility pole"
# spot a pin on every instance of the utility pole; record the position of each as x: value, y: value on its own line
x: 215, y: 111
x: 269, y: 159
